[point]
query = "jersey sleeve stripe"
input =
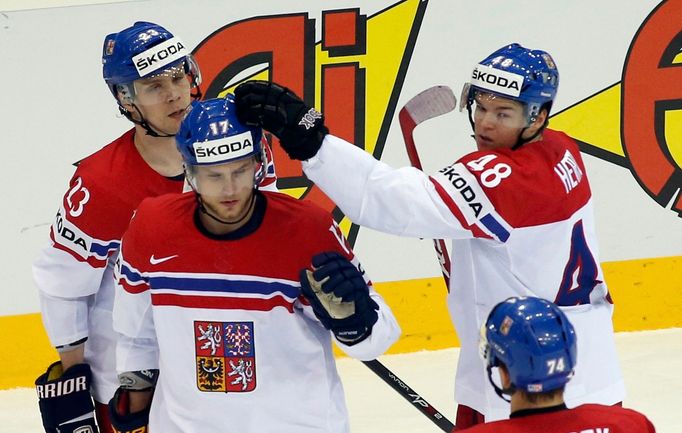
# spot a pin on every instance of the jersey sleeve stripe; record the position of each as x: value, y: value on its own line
x: 133, y: 289
x: 91, y: 260
x: 104, y: 249
x: 465, y: 193
x: 82, y: 246
x: 132, y: 280
x: 133, y: 277
x: 456, y: 212
x: 494, y: 226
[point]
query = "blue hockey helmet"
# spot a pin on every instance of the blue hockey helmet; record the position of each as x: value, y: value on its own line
x: 211, y: 134
x: 518, y: 73
x: 144, y: 50
x: 534, y: 340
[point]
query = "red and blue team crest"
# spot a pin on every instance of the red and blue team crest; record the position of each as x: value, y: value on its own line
x: 225, y: 356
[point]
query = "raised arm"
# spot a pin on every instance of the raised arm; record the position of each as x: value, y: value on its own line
x: 403, y: 201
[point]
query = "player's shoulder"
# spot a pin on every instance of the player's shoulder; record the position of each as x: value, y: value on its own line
x: 160, y: 213
x: 167, y: 204
x: 587, y: 417
x: 108, y: 167
x: 507, y: 426
x: 505, y: 172
x: 300, y: 209
x: 628, y: 420
x: 312, y: 227
x: 547, y: 175
x: 558, y: 137
x: 555, y: 145
x: 102, y: 159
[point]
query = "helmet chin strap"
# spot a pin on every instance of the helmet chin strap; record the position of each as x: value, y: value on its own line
x: 206, y: 212
x: 470, y: 102
x: 521, y: 141
x: 143, y: 123
x: 502, y: 393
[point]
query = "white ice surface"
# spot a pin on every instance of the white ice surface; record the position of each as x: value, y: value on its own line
x: 651, y: 363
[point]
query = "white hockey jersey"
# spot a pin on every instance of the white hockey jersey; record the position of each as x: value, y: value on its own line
x: 74, y: 272
x: 521, y: 223
x: 238, y: 348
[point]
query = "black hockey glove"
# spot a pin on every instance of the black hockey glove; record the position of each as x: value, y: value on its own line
x: 300, y: 128
x: 64, y: 399
x: 122, y: 419
x: 340, y: 297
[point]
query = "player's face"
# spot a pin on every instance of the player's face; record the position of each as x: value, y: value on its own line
x: 226, y: 189
x: 497, y: 121
x: 163, y: 99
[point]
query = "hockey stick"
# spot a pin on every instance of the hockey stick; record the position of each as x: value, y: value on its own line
x: 410, y: 395
x: 432, y: 102
x: 428, y: 104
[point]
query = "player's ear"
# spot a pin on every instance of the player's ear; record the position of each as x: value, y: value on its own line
x: 126, y: 103
x: 540, y: 120
x: 125, y: 99
x: 536, y: 125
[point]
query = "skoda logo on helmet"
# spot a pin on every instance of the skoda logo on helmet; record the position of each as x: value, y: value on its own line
x: 159, y: 56
x: 224, y: 149
x: 496, y: 80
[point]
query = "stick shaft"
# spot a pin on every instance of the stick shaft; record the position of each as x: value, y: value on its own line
x: 410, y: 395
x: 430, y: 103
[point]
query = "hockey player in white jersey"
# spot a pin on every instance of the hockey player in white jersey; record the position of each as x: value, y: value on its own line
x: 74, y: 272
x: 218, y: 297
x: 518, y: 211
